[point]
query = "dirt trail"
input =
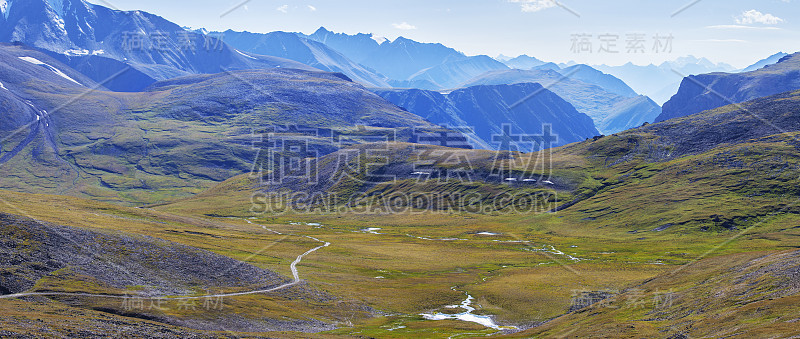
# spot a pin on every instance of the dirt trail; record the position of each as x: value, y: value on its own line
x: 296, y: 280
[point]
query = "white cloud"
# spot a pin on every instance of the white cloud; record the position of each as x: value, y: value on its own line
x: 404, y: 26
x: 312, y: 8
x: 535, y: 5
x: 284, y: 9
x: 755, y: 17
x: 741, y: 27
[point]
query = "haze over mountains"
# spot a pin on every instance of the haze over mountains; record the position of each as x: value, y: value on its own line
x: 660, y: 82
x: 409, y: 62
x: 304, y: 50
x: 141, y: 53
x: 597, y: 96
x: 128, y: 51
x: 521, y: 62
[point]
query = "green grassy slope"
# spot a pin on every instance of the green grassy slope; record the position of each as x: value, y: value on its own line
x: 683, y: 172
x: 141, y: 260
x: 181, y: 136
x: 634, y: 205
x: 748, y: 295
x: 704, y: 208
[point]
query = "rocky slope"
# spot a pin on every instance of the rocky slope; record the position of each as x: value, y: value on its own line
x: 32, y: 250
x: 139, y: 277
x: 31, y: 320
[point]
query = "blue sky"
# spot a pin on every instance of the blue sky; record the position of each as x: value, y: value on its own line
x: 738, y: 32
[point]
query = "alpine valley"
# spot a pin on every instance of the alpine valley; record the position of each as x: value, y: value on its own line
x: 160, y: 181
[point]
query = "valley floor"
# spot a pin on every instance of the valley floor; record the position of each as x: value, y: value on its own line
x: 531, y: 275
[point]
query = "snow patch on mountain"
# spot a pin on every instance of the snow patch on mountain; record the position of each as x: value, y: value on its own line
x: 245, y: 55
x: 60, y: 24
x: 57, y: 6
x: 5, y: 7
x: 77, y: 52
x: 379, y: 39
x: 51, y: 68
x: 83, y: 52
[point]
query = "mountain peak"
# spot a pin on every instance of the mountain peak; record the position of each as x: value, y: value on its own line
x: 402, y: 39
x: 322, y: 30
x: 503, y: 58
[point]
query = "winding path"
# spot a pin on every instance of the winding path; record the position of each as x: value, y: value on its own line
x: 295, y: 274
x: 35, y: 126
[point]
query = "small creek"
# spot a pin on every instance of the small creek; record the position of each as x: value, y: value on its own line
x: 484, y: 320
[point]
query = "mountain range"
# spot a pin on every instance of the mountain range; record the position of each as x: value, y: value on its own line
x: 660, y: 82
x: 178, y: 136
x: 399, y: 59
x: 708, y: 91
x: 304, y: 50
x: 436, y: 67
x: 525, y: 107
x: 772, y: 59
x: 612, y: 112
x: 408, y: 63
x: 593, y: 76
x: 521, y: 62
x: 129, y: 51
x: 132, y: 51
x: 155, y: 48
